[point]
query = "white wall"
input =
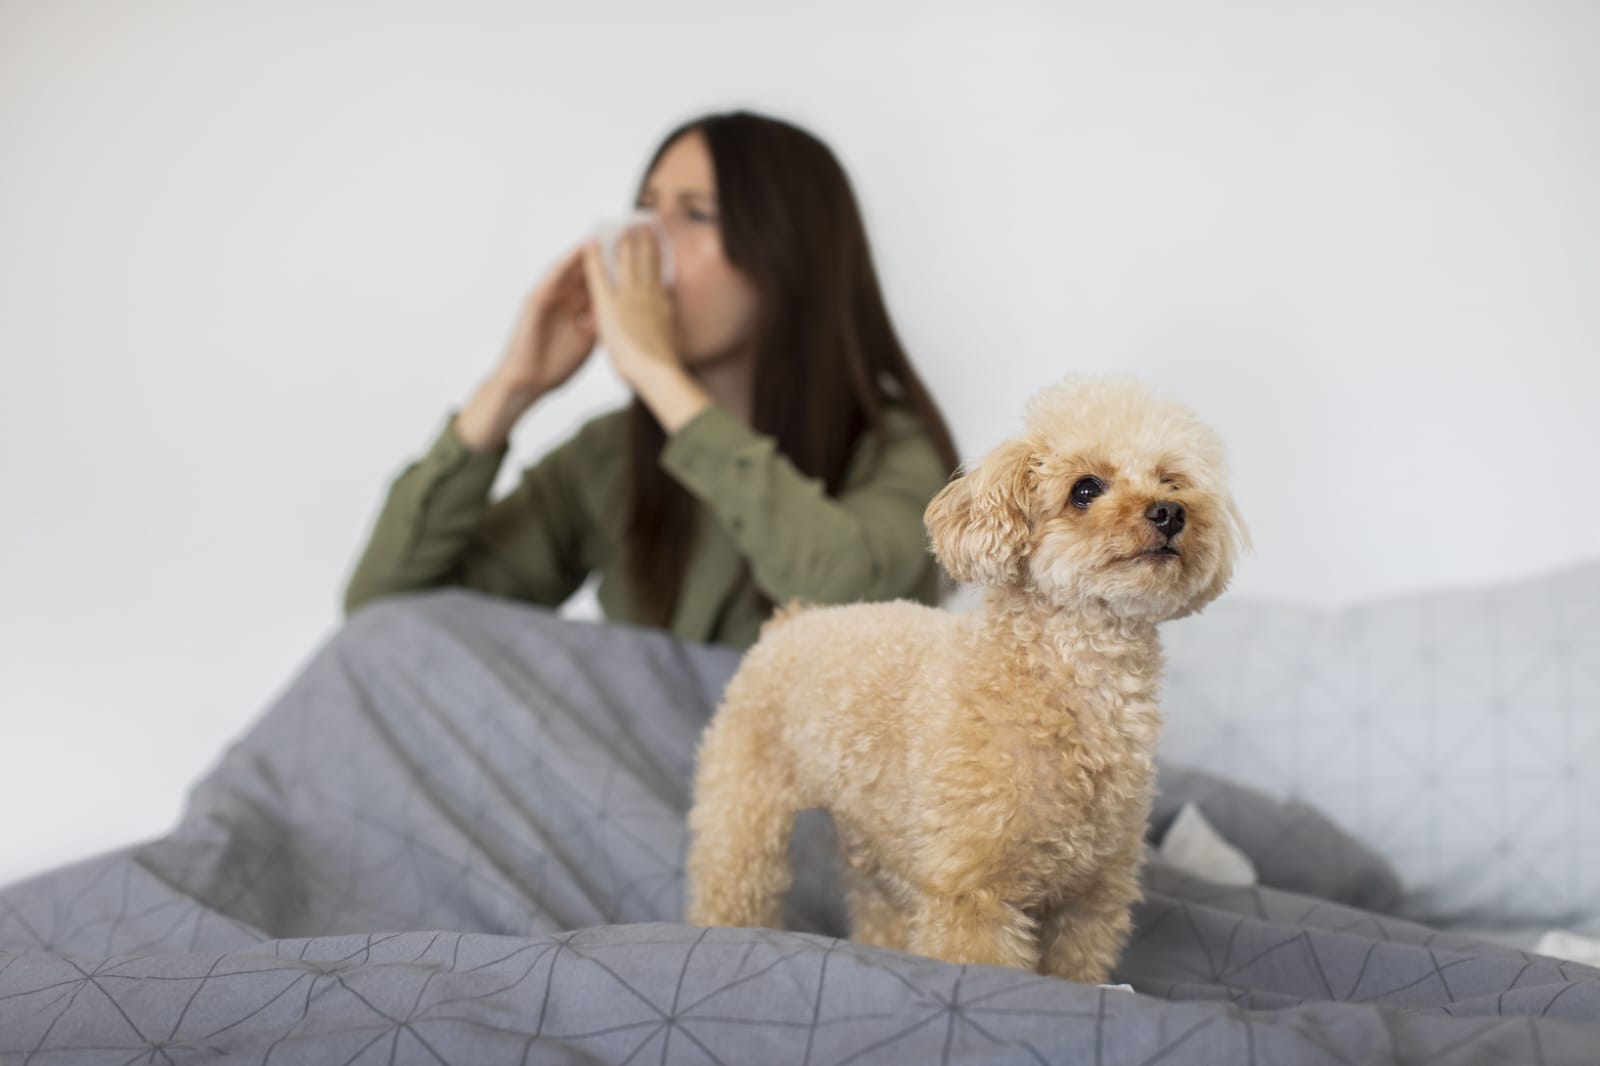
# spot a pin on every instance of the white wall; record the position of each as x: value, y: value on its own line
x: 251, y: 252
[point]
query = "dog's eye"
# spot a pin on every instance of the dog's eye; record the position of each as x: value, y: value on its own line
x: 1085, y: 490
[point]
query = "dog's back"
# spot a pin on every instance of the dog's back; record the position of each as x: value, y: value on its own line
x: 842, y: 691
x: 825, y: 661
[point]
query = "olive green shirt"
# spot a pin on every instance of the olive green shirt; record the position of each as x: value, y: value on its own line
x: 761, y: 526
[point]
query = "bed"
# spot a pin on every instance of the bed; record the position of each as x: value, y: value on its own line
x: 457, y: 835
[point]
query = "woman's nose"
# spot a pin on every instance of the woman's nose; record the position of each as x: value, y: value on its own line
x: 665, y: 232
x: 671, y: 223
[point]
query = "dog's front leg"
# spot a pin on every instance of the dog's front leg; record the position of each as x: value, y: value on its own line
x: 1081, y: 937
x: 875, y: 916
x: 973, y: 927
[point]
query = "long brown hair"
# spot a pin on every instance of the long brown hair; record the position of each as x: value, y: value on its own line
x: 828, y: 360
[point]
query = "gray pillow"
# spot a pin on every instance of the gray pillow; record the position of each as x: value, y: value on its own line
x: 1457, y: 733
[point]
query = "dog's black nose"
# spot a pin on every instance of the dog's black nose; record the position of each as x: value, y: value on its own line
x: 1166, y: 517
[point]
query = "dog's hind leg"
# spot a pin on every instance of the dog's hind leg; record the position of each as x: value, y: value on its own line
x: 745, y: 801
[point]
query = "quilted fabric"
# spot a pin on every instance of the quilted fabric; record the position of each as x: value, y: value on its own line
x: 457, y: 836
x: 1456, y: 733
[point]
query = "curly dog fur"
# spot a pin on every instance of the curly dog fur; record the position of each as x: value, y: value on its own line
x: 989, y: 773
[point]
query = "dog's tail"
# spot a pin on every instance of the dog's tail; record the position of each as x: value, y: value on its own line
x: 745, y: 800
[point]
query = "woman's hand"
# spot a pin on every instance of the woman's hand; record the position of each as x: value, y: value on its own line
x: 635, y: 320
x: 634, y: 313
x: 553, y: 335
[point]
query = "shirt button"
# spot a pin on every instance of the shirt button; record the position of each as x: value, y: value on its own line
x: 742, y: 462
x: 737, y: 523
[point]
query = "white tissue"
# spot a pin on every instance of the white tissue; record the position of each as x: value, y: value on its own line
x: 1561, y: 944
x: 609, y: 233
x: 1195, y: 847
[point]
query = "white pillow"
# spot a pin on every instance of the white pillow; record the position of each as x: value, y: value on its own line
x: 1457, y: 733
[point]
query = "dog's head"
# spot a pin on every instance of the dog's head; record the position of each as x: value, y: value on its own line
x: 1110, y: 494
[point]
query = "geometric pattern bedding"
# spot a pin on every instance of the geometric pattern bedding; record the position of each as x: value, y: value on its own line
x: 457, y: 836
x: 1456, y: 732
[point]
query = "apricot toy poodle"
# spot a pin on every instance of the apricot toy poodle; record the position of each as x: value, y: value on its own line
x: 989, y: 773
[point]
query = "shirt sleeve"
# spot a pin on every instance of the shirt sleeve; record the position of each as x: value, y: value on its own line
x: 437, y: 527
x: 868, y: 543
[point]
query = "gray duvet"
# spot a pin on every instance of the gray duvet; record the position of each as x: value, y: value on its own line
x: 457, y: 836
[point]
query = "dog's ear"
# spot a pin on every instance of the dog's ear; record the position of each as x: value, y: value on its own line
x: 1235, y: 539
x: 978, y: 524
